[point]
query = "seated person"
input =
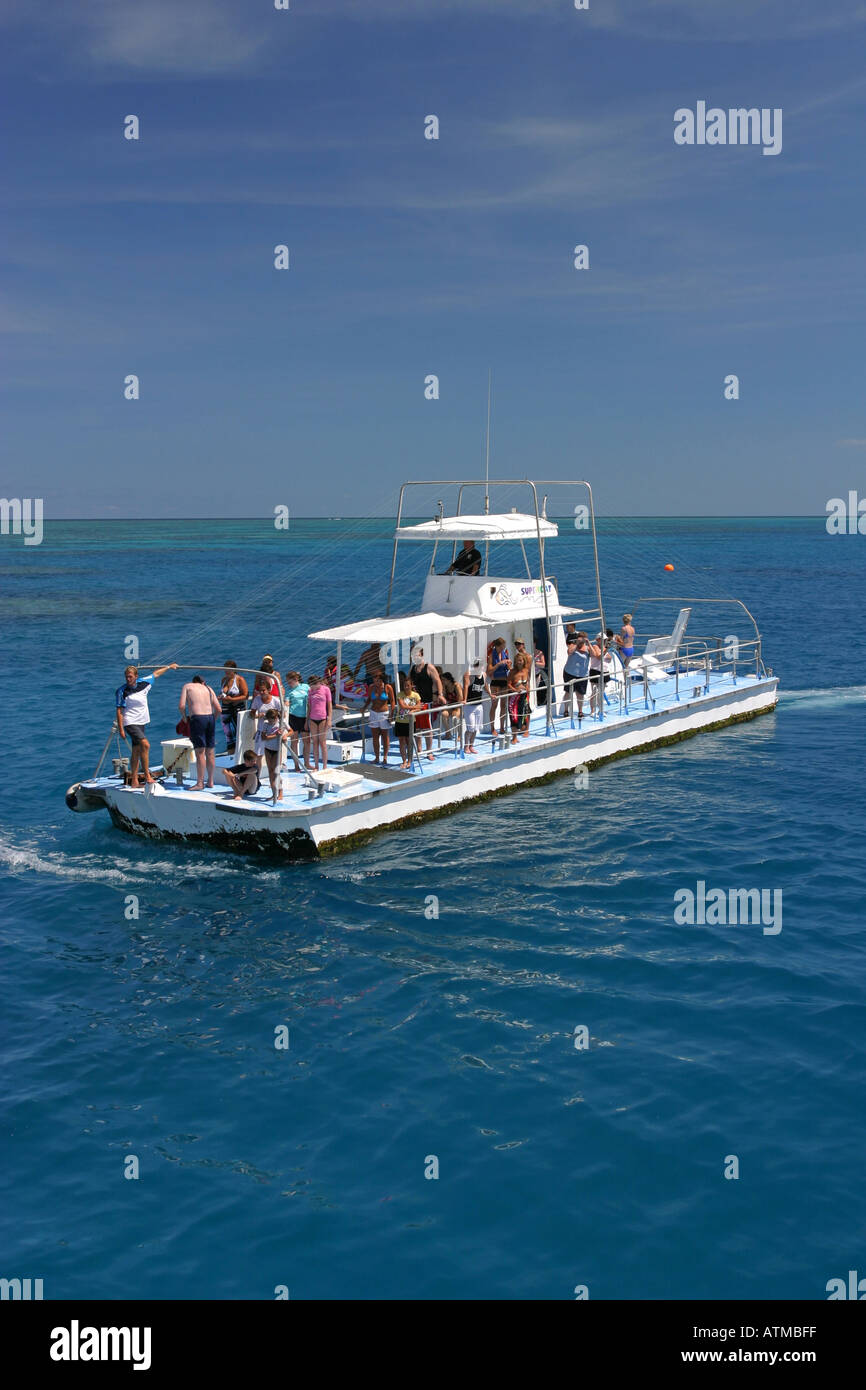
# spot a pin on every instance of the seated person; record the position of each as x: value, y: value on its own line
x: 243, y: 779
x: 468, y: 560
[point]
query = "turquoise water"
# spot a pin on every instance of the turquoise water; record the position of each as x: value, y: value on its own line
x: 413, y: 1036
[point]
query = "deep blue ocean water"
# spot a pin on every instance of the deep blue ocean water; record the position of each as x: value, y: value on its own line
x: 452, y: 1037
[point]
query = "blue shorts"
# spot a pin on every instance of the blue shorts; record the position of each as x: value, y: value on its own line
x: 201, y: 730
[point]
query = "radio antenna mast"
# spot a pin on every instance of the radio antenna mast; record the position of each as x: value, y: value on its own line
x: 487, y: 466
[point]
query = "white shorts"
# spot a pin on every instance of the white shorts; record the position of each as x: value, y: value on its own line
x: 380, y: 720
x: 472, y: 716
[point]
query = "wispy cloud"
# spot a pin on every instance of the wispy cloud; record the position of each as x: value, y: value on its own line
x: 851, y: 443
x: 208, y: 38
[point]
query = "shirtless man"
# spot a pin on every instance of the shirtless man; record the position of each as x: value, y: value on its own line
x: 204, y: 706
x: 427, y: 681
x: 381, y: 704
x: 371, y: 660
x: 625, y: 640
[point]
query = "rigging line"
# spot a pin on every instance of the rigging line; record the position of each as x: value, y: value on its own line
x: 633, y: 532
x: 225, y: 617
x: 292, y: 575
x: 295, y: 575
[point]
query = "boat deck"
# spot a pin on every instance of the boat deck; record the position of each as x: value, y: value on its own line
x: 369, y: 779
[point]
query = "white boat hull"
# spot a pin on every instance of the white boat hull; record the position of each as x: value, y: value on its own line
x: 333, y: 822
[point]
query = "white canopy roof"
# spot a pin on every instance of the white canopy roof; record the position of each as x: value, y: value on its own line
x: 383, y: 630
x: 504, y: 526
x: 395, y: 629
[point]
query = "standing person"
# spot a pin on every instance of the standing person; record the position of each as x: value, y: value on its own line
x: 133, y: 716
x: 518, y: 686
x: 498, y: 666
x: 575, y: 674
x: 408, y: 701
x: 234, y: 693
x: 625, y: 640
x: 610, y: 657
x: 475, y: 688
x: 200, y: 704
x: 596, y: 659
x: 428, y: 684
x: 319, y: 705
x: 331, y: 674
x: 371, y: 660
x: 267, y: 669
x: 272, y: 738
x: 381, y: 704
x: 263, y: 702
x: 453, y: 695
x: 296, y: 704
x: 540, y: 663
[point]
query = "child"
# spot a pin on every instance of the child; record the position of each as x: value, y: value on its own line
x: 407, y: 701
x: 319, y: 705
x: 273, y: 738
x: 243, y: 779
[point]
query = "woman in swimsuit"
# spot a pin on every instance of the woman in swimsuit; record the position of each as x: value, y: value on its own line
x: 380, y: 702
x: 498, y: 666
x: 518, y: 688
x: 625, y: 640
x: 318, y: 719
x: 233, y: 697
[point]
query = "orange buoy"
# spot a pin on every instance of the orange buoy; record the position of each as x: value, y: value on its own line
x: 668, y: 567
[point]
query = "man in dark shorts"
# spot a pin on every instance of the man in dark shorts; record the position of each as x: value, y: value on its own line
x: 133, y: 717
x: 428, y: 683
x: 204, y: 707
x: 575, y: 674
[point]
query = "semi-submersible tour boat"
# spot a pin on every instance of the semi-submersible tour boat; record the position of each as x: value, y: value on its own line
x: 675, y: 687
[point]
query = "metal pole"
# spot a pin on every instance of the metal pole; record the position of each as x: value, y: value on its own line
x: 394, y: 552
x: 487, y: 469
x: 543, y: 594
x: 111, y: 732
x: 598, y: 592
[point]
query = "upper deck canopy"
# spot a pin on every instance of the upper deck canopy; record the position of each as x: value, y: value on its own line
x: 396, y: 629
x: 502, y: 526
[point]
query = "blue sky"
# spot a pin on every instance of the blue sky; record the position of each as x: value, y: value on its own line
x: 411, y: 257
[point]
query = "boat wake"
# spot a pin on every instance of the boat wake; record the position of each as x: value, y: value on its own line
x: 92, y: 868
x: 834, y: 695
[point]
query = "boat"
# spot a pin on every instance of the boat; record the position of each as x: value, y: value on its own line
x: 678, y: 685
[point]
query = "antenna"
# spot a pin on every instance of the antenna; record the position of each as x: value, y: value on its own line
x: 487, y: 468
x: 487, y: 449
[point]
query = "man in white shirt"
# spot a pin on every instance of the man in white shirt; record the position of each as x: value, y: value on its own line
x: 133, y: 716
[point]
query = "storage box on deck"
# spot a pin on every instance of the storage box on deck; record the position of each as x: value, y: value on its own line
x: 178, y: 756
